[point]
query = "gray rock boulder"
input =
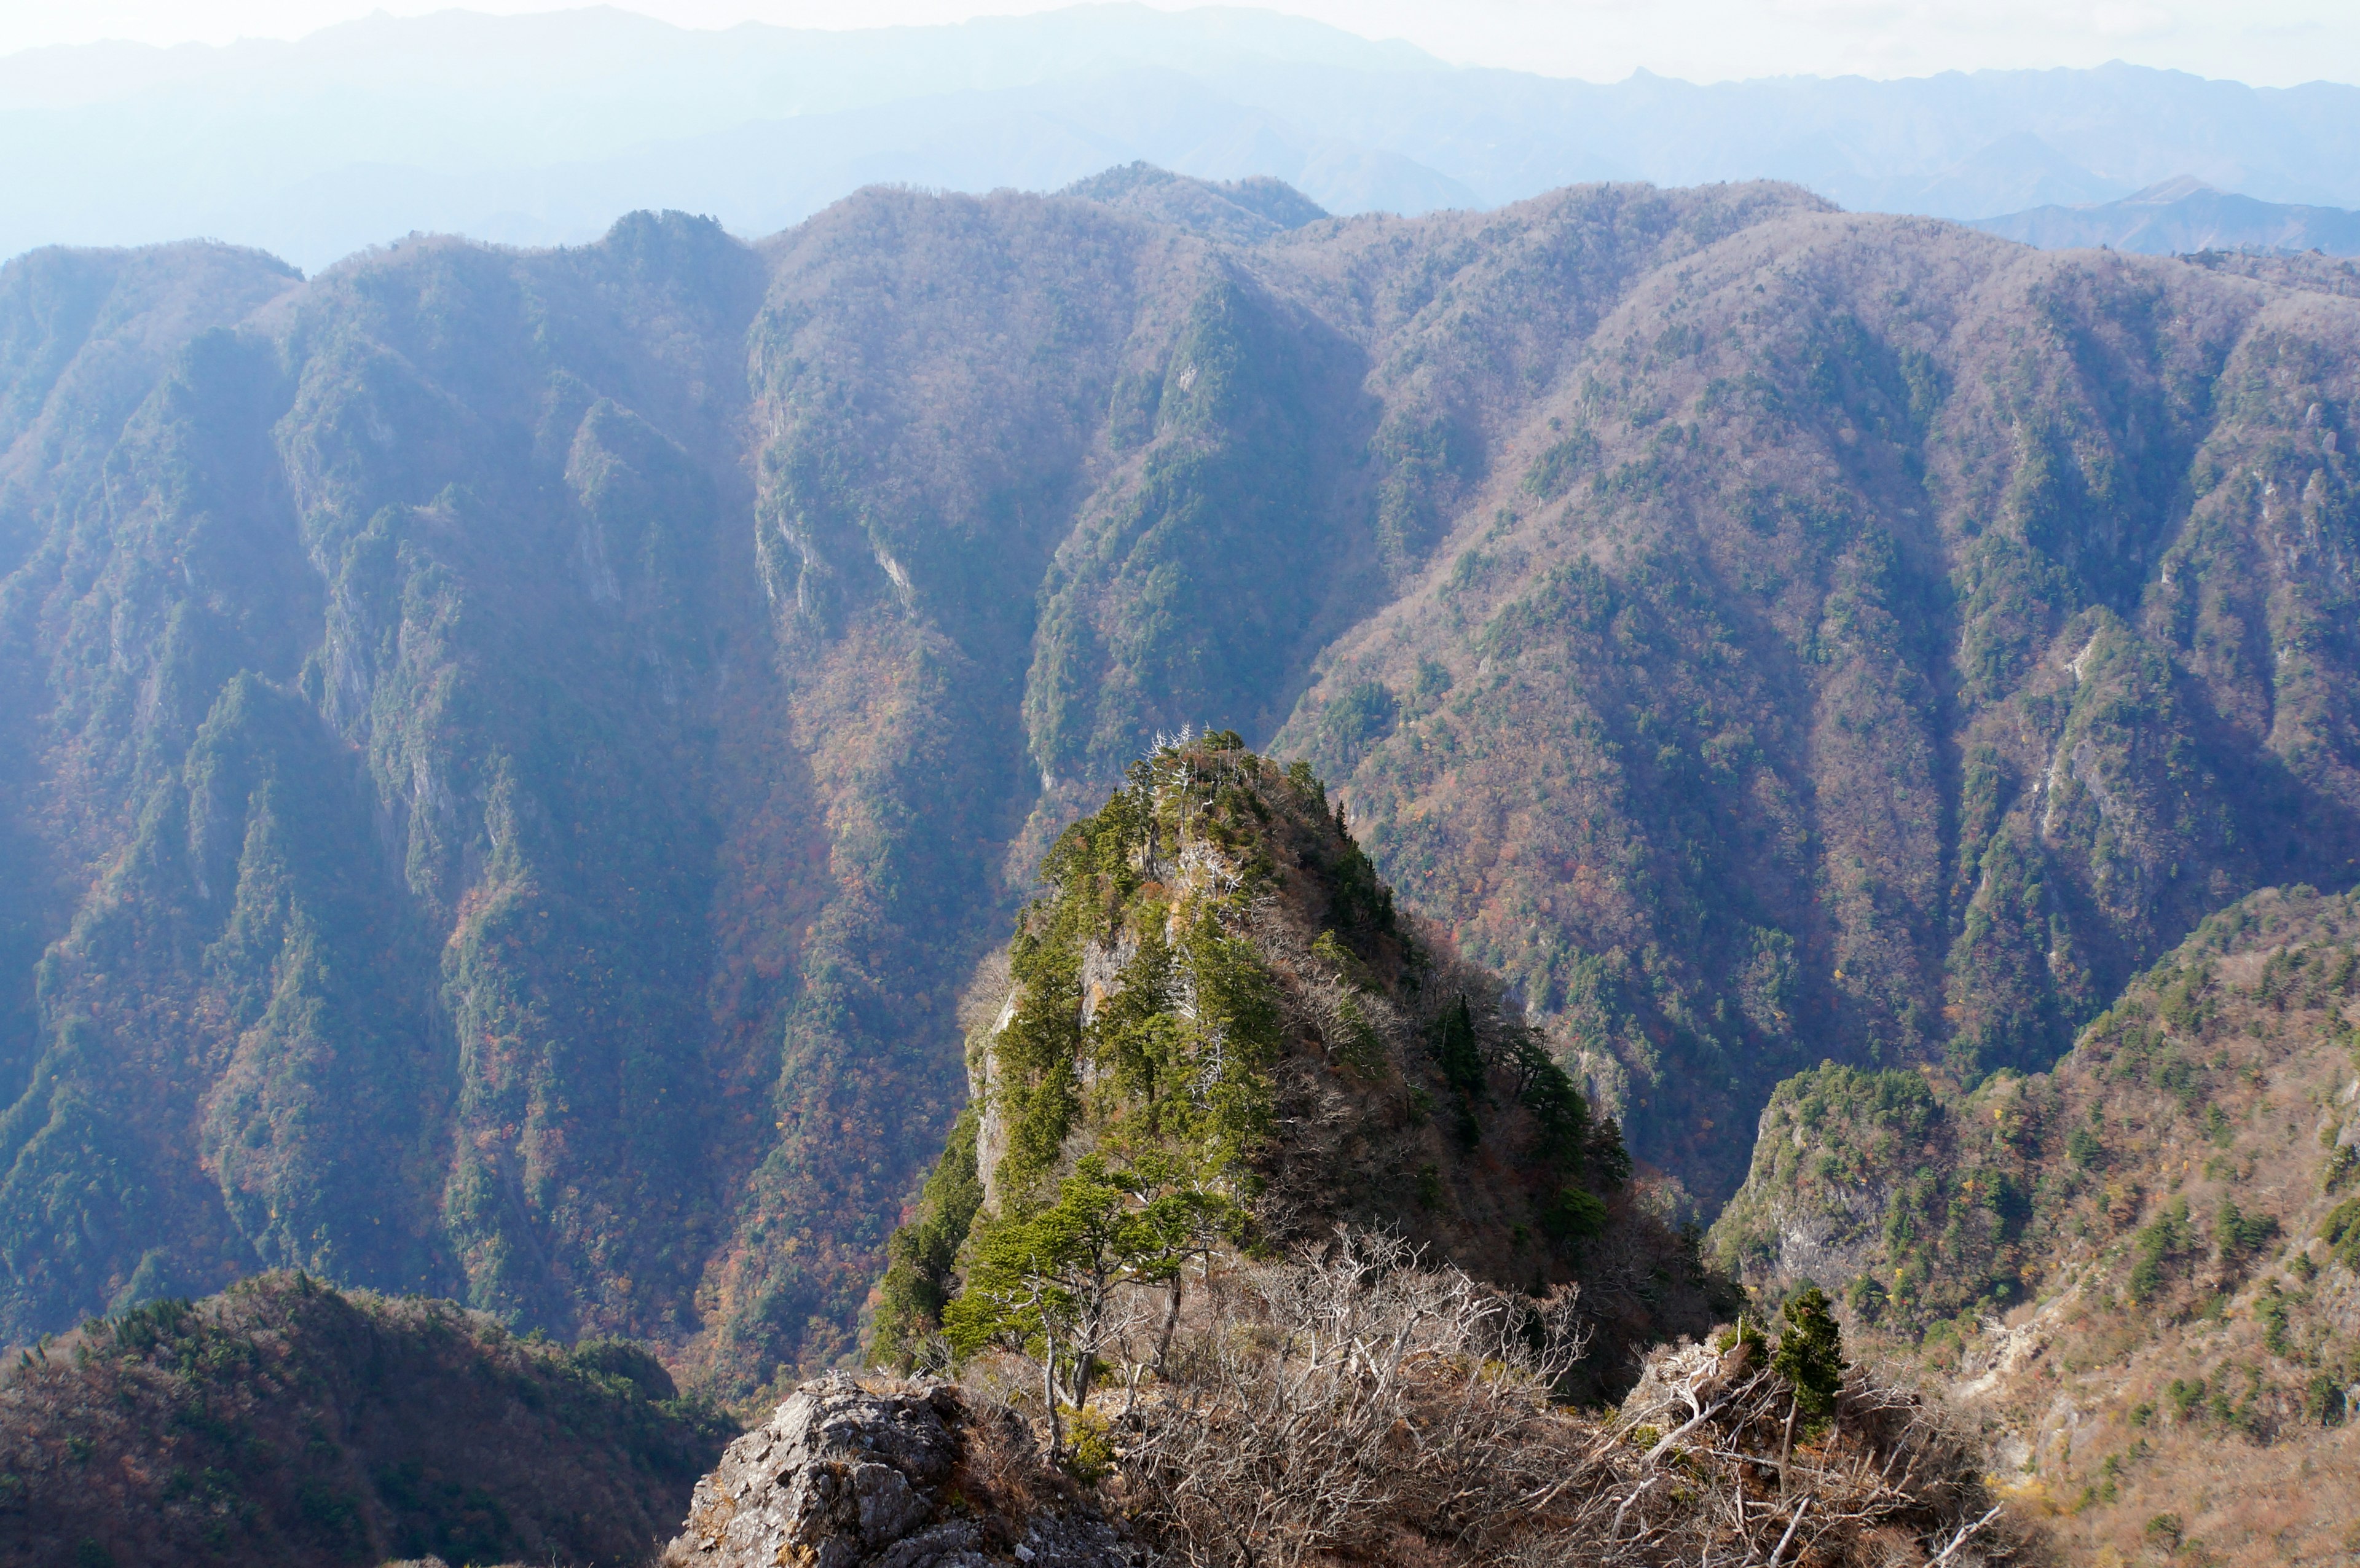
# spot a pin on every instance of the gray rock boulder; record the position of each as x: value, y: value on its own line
x: 915, y: 1476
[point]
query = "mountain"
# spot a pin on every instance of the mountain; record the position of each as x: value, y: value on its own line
x: 286, y: 1423
x: 1855, y: 653
x: 2019, y: 170
x: 536, y: 129
x: 2180, y: 215
x: 512, y: 759
x: 2141, y: 1267
x: 1214, y: 1012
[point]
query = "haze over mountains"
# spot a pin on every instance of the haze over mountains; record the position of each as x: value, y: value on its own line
x: 543, y: 129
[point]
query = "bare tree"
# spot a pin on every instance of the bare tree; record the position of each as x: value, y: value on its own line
x: 1335, y: 1404
x: 1323, y: 1397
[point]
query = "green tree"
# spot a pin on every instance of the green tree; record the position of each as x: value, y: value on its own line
x: 2237, y: 1235
x: 920, y: 1255
x: 1555, y: 1102
x: 1055, y: 1284
x: 2155, y: 1247
x: 1463, y: 1067
x: 2341, y: 1231
x: 1811, y: 1353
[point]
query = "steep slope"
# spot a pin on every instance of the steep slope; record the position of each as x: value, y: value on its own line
x: 284, y: 1422
x: 1038, y: 482
x: 2142, y: 1267
x: 473, y: 841
x: 83, y: 339
x: 511, y: 757
x: 1872, y: 642
x: 359, y: 699
x: 1216, y: 1013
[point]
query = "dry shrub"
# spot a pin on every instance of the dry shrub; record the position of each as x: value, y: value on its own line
x: 1001, y: 1476
x: 1327, y: 1400
x: 1354, y: 1405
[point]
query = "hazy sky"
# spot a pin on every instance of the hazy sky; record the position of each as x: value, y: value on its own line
x: 2266, y: 42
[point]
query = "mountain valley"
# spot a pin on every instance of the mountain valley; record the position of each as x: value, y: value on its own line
x: 515, y: 756
x: 517, y: 770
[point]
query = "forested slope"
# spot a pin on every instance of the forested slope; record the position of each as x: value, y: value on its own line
x: 2141, y: 1268
x: 510, y: 757
x: 1878, y: 646
x: 285, y: 1421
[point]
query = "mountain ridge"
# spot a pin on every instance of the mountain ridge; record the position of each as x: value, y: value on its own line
x: 631, y: 685
x: 287, y: 1422
x: 2136, y: 1269
x: 2180, y: 215
x: 537, y: 130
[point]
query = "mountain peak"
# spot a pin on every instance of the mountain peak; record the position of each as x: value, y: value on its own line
x: 1216, y: 1006
x: 2164, y: 191
x: 1242, y: 211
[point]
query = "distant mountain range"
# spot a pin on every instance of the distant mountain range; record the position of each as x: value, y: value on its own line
x: 2182, y: 215
x: 541, y: 129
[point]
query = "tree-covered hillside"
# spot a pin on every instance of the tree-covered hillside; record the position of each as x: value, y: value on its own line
x: 1872, y: 645
x: 2141, y: 1267
x: 508, y: 759
x: 285, y: 1421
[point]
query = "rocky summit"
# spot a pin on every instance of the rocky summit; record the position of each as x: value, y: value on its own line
x: 916, y: 1477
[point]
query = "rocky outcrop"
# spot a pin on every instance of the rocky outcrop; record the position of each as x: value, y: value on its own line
x: 913, y: 1476
x: 1328, y: 1062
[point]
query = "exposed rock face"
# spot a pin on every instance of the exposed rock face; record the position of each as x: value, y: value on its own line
x: 916, y: 1478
